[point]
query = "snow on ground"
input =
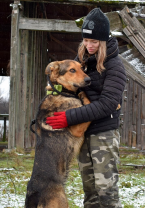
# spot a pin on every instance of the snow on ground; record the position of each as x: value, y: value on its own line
x: 134, y: 195
x: 12, y: 200
x: 12, y: 188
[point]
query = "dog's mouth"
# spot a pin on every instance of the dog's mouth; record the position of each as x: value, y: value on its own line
x: 81, y: 85
x: 85, y: 83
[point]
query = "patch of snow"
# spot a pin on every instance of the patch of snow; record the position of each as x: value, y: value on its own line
x: 134, y: 195
x: 114, y: 33
x: 6, y: 169
x: 19, y: 153
x: 79, y: 201
x: 12, y: 200
x: 138, y: 65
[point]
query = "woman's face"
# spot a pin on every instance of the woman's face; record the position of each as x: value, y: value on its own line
x: 91, y: 45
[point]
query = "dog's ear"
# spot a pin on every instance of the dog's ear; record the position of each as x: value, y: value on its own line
x: 53, y: 66
x: 52, y: 70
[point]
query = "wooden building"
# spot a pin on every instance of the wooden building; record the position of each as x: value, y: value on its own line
x: 43, y: 31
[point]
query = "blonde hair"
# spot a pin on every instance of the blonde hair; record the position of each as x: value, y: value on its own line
x: 100, y: 55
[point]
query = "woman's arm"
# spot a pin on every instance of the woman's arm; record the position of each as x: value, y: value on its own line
x: 110, y: 97
x: 107, y: 103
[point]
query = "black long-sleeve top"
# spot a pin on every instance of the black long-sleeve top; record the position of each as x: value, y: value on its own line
x: 105, y: 93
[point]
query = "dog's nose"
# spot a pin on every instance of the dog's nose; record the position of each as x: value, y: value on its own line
x: 87, y: 80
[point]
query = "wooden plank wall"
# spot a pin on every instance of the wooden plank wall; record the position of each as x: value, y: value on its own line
x: 132, y: 119
x: 30, y: 82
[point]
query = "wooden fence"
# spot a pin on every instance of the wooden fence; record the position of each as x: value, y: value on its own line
x: 132, y: 118
x: 133, y: 107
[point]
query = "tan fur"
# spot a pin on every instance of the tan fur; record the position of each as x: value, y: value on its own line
x: 67, y: 80
x: 58, y: 199
x: 47, y: 191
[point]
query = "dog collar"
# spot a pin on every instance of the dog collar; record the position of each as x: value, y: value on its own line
x: 67, y: 94
x: 57, y: 87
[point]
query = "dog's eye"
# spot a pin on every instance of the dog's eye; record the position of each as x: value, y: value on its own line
x: 72, y: 70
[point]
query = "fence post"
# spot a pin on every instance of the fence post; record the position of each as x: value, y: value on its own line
x: 4, y: 135
x: 13, y: 70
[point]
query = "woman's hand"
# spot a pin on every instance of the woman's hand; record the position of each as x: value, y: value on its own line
x: 58, y: 121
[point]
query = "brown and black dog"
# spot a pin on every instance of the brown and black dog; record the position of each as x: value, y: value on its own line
x: 55, y: 149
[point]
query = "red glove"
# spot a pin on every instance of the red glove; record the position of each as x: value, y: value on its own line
x: 58, y: 121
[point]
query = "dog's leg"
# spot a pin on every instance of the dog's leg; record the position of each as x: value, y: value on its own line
x: 53, y: 197
x: 79, y: 129
x: 84, y: 98
x: 118, y: 107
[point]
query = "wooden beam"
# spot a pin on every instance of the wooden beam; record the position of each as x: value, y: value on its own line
x: 13, y: 69
x: 55, y: 25
x: 135, y: 165
x: 52, y: 25
x: 131, y: 21
x: 134, y: 30
x: 138, y: 43
x: 87, y: 2
x: 120, y: 35
x: 115, y: 21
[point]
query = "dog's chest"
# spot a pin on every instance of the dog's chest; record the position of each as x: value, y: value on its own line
x: 68, y: 103
x: 53, y: 104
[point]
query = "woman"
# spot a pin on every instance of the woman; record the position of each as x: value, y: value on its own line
x: 99, y: 154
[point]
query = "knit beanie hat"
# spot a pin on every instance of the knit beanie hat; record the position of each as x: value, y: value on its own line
x: 96, y: 25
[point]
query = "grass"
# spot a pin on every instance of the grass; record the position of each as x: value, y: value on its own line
x: 3, y: 143
x: 16, y: 167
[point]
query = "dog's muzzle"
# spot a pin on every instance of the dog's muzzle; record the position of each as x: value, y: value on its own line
x: 86, y: 82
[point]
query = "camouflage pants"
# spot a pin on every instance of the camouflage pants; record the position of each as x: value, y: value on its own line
x: 97, y: 162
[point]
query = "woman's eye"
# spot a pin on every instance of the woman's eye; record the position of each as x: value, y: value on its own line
x: 72, y: 70
x: 85, y: 41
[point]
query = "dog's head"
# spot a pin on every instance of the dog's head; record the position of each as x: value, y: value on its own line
x: 68, y: 73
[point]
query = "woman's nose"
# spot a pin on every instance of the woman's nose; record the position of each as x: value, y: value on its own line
x: 89, y: 45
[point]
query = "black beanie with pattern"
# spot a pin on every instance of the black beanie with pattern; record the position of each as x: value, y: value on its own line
x: 96, y: 25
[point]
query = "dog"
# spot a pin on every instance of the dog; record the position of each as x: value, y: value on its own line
x: 55, y: 149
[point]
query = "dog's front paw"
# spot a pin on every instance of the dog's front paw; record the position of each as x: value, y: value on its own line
x: 83, y: 98
x: 118, y: 107
x: 82, y: 95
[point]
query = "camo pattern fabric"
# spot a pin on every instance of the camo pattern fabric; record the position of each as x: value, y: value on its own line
x: 98, y: 160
